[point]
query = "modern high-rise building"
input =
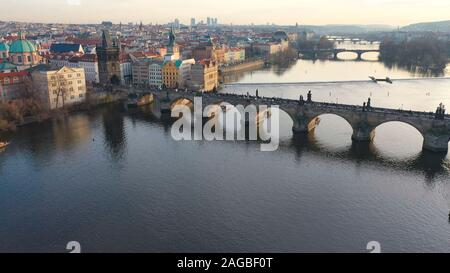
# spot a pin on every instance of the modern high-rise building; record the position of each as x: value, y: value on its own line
x: 192, y: 22
x: 109, y: 60
x: 208, y: 21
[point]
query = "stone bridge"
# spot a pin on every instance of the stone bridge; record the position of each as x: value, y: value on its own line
x: 335, y: 52
x: 434, y: 127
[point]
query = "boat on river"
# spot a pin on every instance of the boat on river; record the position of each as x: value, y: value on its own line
x: 3, y: 145
x: 375, y: 80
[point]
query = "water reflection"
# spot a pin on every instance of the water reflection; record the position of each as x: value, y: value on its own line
x: 332, y: 138
x: 431, y: 164
x: 251, y: 200
x: 114, y: 132
x: 325, y: 70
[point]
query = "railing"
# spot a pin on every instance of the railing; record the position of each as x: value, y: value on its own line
x: 335, y: 106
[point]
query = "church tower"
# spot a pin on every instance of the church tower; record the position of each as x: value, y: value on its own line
x: 173, y: 51
x: 108, y: 60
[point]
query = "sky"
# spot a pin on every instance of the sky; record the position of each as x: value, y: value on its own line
x: 282, y: 12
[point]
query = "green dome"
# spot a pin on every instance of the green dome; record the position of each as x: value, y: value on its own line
x: 22, y: 46
x: 4, y: 47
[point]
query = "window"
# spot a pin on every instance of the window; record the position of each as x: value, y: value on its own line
x: 29, y: 59
x: 81, y: 95
x: 72, y: 97
x: 19, y: 59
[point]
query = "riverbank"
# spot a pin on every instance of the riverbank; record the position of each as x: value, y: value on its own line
x: 244, y: 66
x: 94, y: 98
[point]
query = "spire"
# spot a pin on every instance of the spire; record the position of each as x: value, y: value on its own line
x: 171, y: 38
x: 106, y: 39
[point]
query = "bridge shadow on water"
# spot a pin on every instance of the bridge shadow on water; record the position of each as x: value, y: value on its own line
x: 363, y: 153
x: 430, y: 163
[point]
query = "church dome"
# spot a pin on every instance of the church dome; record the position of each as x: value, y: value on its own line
x: 22, y: 46
x: 4, y: 47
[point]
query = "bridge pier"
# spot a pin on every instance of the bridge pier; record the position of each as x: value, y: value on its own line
x: 303, y: 125
x: 165, y: 108
x: 359, y: 58
x: 436, y: 142
x: 363, y: 132
x: 335, y: 55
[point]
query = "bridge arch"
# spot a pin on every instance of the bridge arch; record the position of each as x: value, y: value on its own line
x: 316, y: 116
x: 181, y: 101
x: 366, y: 53
x: 389, y: 140
x: 401, y: 121
x: 339, y: 55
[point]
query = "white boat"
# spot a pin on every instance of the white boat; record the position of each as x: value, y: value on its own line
x: 3, y: 145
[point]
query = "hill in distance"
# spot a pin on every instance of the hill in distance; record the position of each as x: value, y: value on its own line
x: 441, y: 26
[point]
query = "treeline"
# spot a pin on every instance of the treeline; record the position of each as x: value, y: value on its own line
x: 427, y: 52
x: 16, y: 111
x: 284, y: 58
x: 321, y: 43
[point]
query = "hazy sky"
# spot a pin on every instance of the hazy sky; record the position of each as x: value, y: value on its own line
x: 392, y: 12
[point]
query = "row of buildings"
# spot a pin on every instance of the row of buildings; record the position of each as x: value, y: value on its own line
x: 132, y: 54
x: 167, y: 70
x: 23, y: 72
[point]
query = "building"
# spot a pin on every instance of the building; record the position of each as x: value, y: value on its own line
x: 204, y: 51
x: 193, y: 22
x: 66, y: 48
x: 155, y: 74
x: 109, y: 60
x: 140, y: 72
x: 126, y: 70
x: 184, y: 72
x: 4, y: 51
x: 204, y: 76
x: 23, y: 53
x: 76, y: 60
x: 171, y: 74
x: 12, y: 82
x: 271, y: 48
x: 89, y: 63
x: 60, y: 88
x: 234, y: 55
x: 58, y: 61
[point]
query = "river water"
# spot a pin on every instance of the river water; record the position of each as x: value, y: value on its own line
x: 117, y: 182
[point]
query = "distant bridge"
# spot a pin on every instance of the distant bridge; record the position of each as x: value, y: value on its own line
x: 335, y: 52
x: 435, y: 128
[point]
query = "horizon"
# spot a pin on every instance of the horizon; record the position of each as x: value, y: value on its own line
x: 393, y: 13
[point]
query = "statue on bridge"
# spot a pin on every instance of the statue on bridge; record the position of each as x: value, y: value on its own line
x: 301, y: 100
x: 367, y: 105
x: 257, y: 93
x: 440, y: 111
x: 309, y: 99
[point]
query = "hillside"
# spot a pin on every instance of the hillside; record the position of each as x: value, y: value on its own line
x: 442, y: 26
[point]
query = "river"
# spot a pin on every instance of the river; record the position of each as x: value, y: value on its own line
x: 117, y: 182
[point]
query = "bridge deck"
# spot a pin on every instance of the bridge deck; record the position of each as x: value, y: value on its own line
x: 244, y: 99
